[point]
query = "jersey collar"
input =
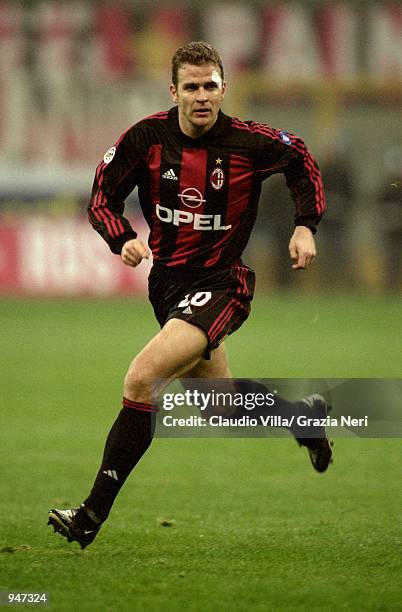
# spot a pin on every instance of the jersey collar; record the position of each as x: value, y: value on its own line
x: 219, y: 129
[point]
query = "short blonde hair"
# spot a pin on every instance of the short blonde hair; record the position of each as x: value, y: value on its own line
x: 195, y: 53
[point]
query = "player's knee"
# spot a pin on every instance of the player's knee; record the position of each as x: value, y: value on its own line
x: 138, y: 382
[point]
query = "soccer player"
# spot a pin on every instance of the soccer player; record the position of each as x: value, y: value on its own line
x: 199, y: 174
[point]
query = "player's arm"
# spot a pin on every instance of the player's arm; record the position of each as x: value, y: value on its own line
x: 116, y: 177
x: 286, y: 153
x: 304, y: 180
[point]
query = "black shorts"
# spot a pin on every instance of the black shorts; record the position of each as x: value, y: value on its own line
x: 216, y: 301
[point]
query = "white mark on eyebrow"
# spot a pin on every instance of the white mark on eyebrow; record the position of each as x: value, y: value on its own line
x: 216, y: 78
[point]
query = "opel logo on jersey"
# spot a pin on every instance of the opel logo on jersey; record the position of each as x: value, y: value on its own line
x: 191, y: 197
x: 197, y: 221
x: 217, y: 178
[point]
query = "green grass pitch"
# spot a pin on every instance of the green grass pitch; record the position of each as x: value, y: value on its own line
x: 255, y: 528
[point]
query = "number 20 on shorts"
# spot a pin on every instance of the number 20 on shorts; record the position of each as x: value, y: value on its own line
x: 199, y: 299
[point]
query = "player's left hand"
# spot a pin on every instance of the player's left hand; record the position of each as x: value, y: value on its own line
x: 302, y: 248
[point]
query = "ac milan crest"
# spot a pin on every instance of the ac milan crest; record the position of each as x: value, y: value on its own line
x: 217, y: 178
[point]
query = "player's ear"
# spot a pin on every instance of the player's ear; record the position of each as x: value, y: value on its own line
x: 223, y: 88
x: 173, y: 93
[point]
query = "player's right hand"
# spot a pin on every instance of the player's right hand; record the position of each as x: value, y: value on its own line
x: 133, y: 252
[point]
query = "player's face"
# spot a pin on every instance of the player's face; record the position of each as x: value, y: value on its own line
x: 199, y: 95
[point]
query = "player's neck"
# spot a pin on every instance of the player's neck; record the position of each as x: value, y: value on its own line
x: 194, y: 131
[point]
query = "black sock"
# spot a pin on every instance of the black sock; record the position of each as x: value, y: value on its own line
x: 129, y: 438
x: 280, y: 406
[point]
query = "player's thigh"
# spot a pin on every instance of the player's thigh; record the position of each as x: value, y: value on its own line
x: 215, y: 367
x: 178, y: 347
x: 211, y: 376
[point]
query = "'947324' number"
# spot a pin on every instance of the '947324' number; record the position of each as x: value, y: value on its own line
x: 27, y: 598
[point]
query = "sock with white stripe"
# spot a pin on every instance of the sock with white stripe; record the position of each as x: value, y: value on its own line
x: 128, y: 439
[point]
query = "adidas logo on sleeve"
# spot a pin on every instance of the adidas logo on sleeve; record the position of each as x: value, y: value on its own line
x: 170, y: 174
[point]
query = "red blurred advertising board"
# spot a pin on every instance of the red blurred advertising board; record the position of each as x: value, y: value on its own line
x: 57, y: 256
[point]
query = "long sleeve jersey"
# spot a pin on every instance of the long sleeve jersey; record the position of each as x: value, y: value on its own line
x: 200, y: 196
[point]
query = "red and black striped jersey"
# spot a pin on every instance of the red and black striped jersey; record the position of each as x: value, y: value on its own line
x: 200, y: 196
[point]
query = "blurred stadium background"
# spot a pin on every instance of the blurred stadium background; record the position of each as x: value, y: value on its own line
x: 255, y: 528
x: 75, y: 74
